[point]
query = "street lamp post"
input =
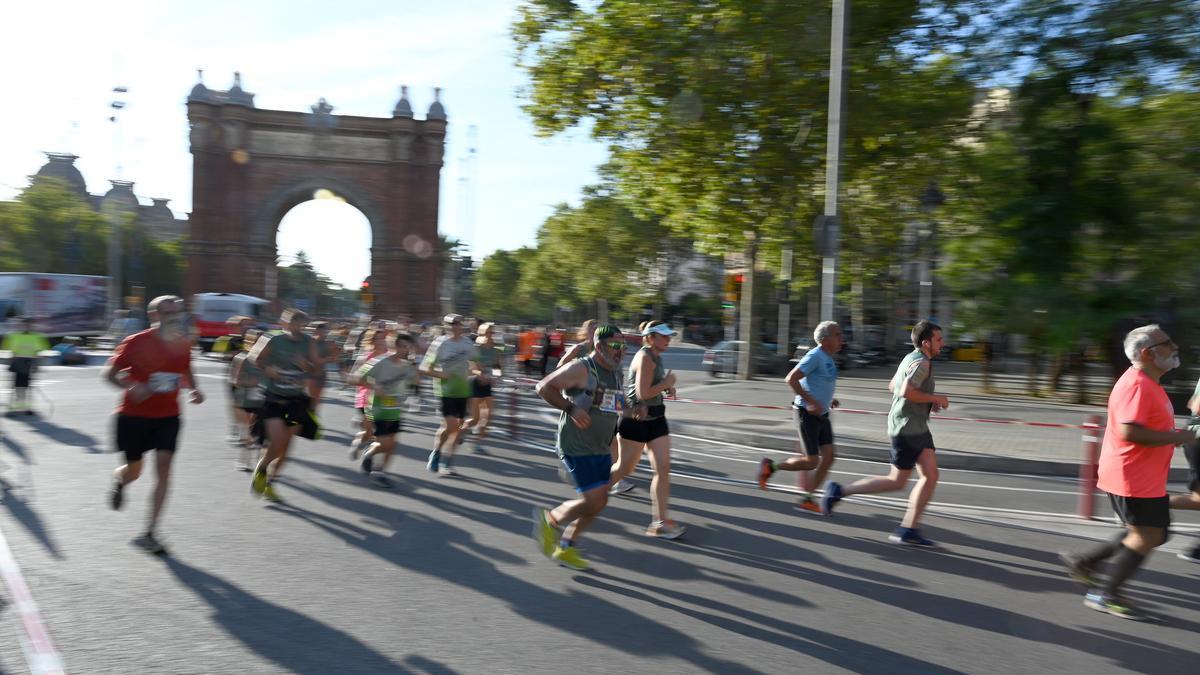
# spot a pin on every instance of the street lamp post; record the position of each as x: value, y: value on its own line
x: 829, y: 229
x: 114, y: 215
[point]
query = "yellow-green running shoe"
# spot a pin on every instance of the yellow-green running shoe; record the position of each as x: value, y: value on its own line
x: 259, y: 483
x: 569, y: 557
x: 269, y: 494
x: 543, y: 531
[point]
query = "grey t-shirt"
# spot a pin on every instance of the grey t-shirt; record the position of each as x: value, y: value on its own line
x: 905, y: 417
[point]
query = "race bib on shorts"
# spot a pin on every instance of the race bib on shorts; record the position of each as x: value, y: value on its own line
x: 389, y: 402
x: 163, y: 383
x: 255, y: 395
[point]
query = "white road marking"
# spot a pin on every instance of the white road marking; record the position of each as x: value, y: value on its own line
x: 40, y: 653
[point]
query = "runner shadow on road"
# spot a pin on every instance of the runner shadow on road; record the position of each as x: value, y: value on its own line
x: 65, y: 435
x: 16, y: 448
x: 28, y: 518
x: 280, y: 635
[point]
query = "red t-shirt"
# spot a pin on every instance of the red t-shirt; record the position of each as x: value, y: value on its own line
x: 154, y: 362
x: 1128, y: 469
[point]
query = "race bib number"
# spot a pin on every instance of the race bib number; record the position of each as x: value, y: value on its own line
x: 289, y: 379
x: 163, y: 383
x: 255, y: 395
x: 389, y: 402
x: 612, y: 402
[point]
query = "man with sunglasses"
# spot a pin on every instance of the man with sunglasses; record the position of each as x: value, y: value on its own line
x: 590, y: 395
x: 448, y: 362
x: 150, y: 367
x: 1135, y: 458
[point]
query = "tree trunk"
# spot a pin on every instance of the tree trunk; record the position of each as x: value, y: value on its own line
x: 602, y: 312
x: 857, y: 311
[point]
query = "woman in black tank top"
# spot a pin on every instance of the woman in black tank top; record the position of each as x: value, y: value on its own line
x: 646, y: 429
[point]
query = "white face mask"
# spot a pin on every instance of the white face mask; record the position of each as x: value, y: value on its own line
x: 1169, y: 363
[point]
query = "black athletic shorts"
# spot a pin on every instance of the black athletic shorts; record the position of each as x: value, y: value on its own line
x: 22, y: 368
x: 1143, y: 511
x: 813, y: 430
x: 645, y: 430
x: 138, y: 435
x: 1192, y: 452
x: 480, y: 390
x: 291, y: 409
x: 454, y: 407
x: 386, y: 427
x: 906, y: 449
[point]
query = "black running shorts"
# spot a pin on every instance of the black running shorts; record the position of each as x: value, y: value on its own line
x: 454, y: 407
x: 291, y: 409
x: 643, y: 431
x: 1143, y: 511
x: 138, y: 435
x: 480, y: 390
x: 386, y: 427
x: 814, y: 430
x: 1192, y: 452
x: 906, y: 449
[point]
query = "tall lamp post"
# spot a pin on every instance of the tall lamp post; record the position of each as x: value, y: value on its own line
x: 929, y: 200
x: 114, y: 215
x: 829, y: 230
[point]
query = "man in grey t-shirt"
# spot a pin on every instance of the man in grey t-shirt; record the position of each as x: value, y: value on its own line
x: 908, y: 426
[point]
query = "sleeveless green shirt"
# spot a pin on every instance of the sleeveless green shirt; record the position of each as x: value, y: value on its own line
x: 603, y: 399
x: 660, y: 373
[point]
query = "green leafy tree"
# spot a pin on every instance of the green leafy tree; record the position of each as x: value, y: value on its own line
x: 714, y: 112
x: 50, y: 229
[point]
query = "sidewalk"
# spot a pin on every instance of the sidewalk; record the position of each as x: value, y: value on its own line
x: 1005, y: 431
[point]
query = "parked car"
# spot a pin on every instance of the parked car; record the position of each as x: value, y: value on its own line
x: 723, y: 358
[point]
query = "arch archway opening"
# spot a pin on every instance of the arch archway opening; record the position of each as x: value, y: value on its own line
x: 323, y: 249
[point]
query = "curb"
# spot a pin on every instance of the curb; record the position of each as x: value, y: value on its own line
x: 947, y: 459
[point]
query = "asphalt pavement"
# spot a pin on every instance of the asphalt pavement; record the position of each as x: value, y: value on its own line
x: 440, y: 575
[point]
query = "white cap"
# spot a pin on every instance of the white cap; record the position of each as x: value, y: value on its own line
x: 661, y: 329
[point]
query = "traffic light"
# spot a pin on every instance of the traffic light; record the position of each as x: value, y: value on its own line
x: 733, y: 288
x: 364, y: 295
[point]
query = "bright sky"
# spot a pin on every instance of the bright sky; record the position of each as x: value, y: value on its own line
x: 66, y: 57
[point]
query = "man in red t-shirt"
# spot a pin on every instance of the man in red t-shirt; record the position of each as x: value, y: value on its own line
x: 151, y: 366
x: 1134, y: 461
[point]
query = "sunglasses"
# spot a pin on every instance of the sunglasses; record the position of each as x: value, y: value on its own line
x: 615, y: 345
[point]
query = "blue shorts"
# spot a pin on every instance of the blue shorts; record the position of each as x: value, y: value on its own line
x: 906, y: 449
x: 588, y: 471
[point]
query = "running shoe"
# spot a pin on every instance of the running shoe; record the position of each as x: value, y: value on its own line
x: 368, y: 463
x: 380, y: 479
x: 356, y: 448
x: 1117, y: 606
x: 569, y: 557
x: 116, y: 494
x: 258, y: 484
x: 910, y: 536
x: 434, y: 458
x: 831, y: 496
x: 447, y: 470
x: 1077, y: 570
x: 148, y: 543
x: 765, y: 469
x: 666, y: 529
x: 808, y: 505
x: 268, y: 494
x: 1191, y: 556
x: 621, y: 487
x: 543, y: 532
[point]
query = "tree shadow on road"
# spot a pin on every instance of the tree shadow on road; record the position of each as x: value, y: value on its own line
x: 16, y: 448
x: 812, y: 643
x: 283, y: 636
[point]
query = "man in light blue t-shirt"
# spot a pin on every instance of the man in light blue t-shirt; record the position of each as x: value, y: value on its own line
x: 813, y: 381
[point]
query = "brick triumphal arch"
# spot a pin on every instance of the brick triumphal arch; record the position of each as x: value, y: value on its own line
x: 250, y: 166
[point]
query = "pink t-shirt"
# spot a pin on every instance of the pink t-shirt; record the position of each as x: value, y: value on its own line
x: 1128, y: 469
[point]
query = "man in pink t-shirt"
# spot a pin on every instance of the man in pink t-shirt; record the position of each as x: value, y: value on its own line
x: 1134, y: 461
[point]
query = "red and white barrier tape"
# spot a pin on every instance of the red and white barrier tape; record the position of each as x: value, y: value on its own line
x: 853, y: 411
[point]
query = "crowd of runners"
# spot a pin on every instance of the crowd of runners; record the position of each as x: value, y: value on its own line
x: 611, y: 413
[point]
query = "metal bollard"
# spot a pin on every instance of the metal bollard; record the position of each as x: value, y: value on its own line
x: 513, y: 427
x: 1087, y: 470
